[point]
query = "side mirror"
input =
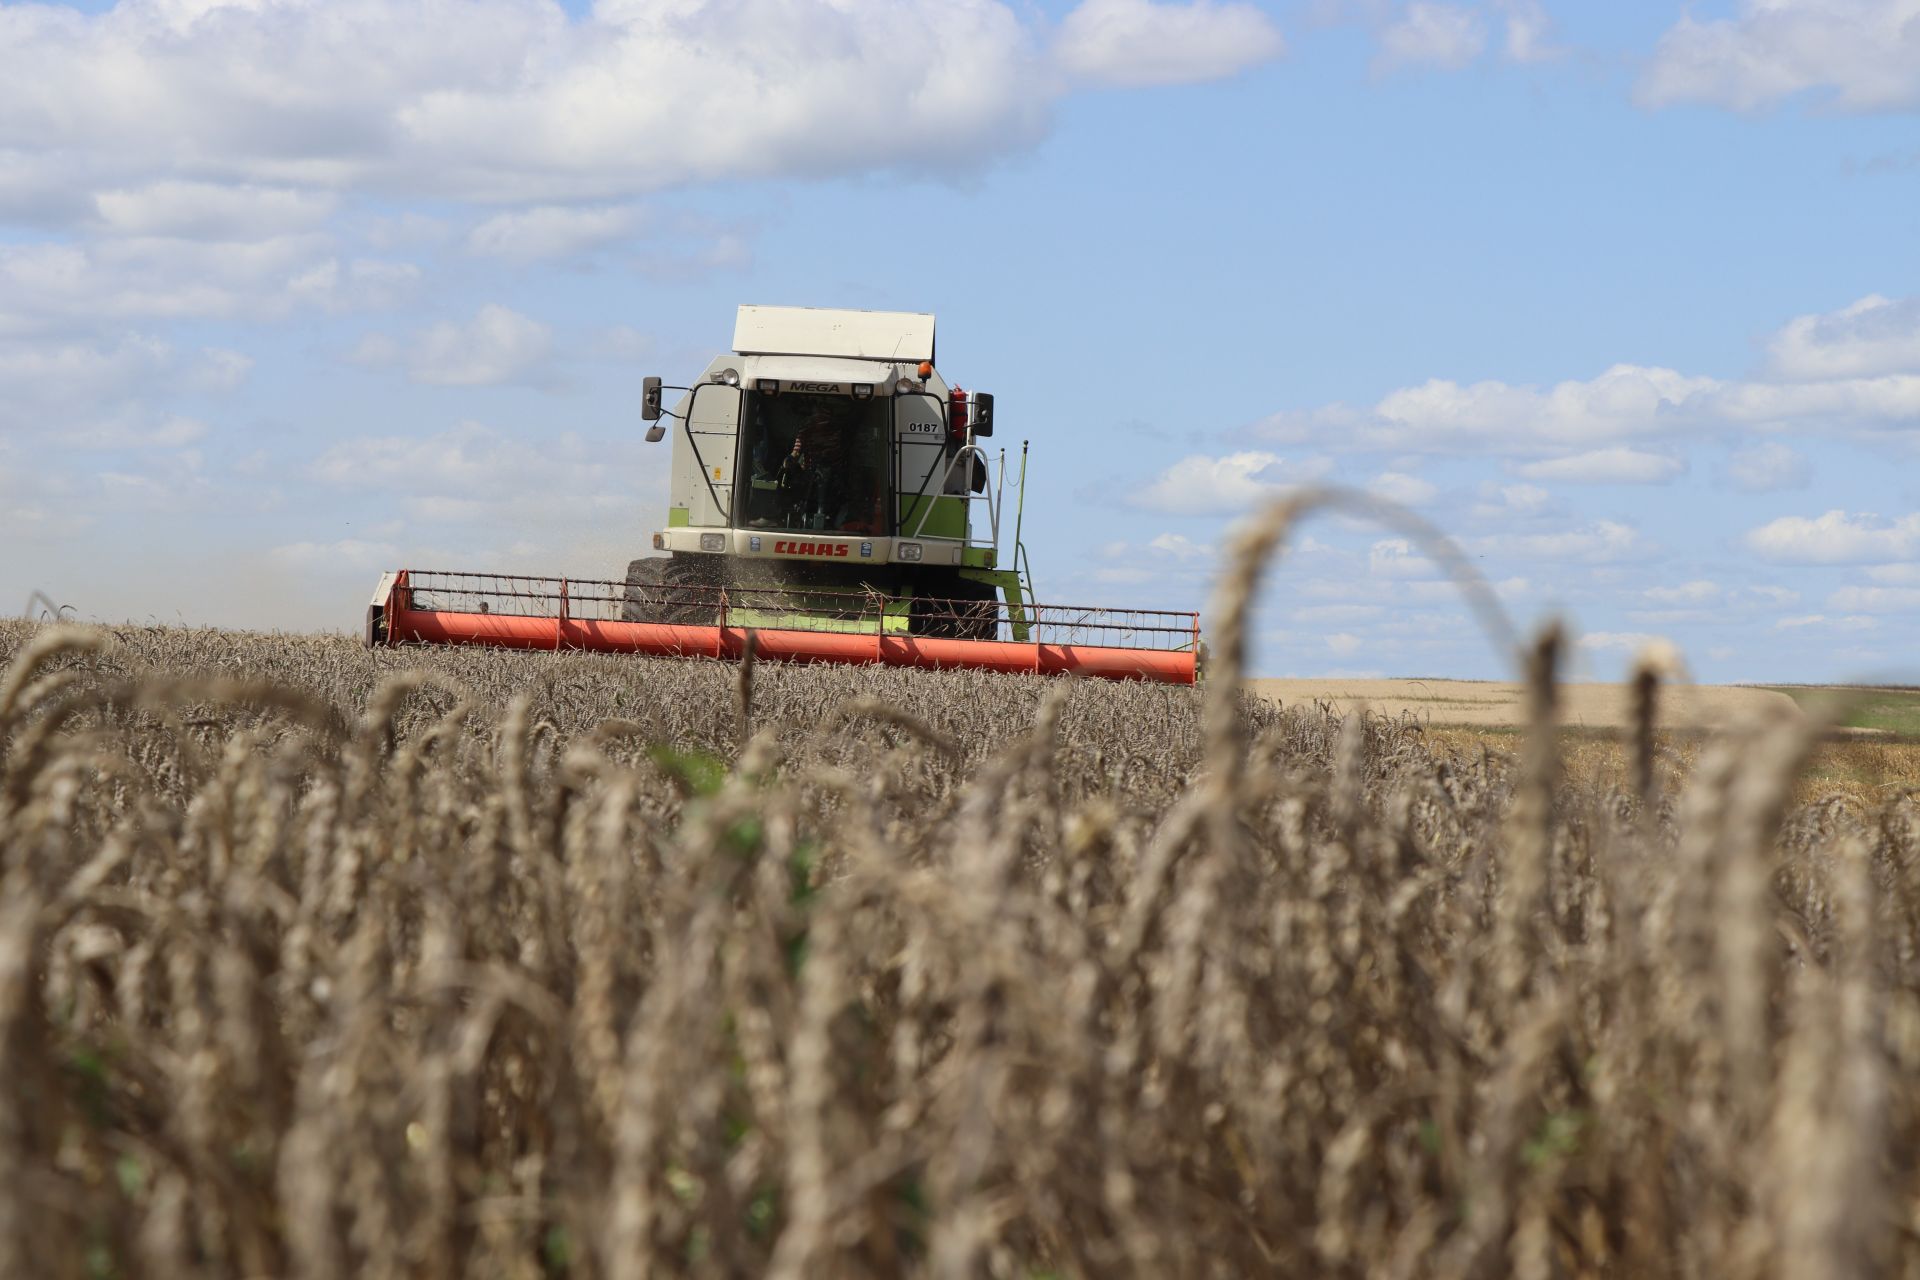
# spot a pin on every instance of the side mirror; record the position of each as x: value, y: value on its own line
x: 656, y: 433
x: 982, y: 413
x: 978, y: 480
x: 650, y: 401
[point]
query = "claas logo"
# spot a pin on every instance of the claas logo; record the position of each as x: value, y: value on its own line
x: 810, y: 548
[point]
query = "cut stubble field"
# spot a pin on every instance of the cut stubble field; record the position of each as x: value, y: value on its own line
x: 1871, y: 748
x: 1503, y: 705
x: 1879, y: 710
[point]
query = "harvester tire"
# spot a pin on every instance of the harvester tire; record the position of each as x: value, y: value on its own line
x: 658, y: 591
x: 645, y: 577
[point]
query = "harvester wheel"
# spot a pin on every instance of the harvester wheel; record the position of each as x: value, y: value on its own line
x: 693, y: 590
x: 669, y: 589
x: 645, y: 578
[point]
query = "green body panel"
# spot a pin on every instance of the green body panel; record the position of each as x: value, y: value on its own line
x: 978, y: 557
x: 678, y: 518
x: 946, y: 519
x: 894, y: 620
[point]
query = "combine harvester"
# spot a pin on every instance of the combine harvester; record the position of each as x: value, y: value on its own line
x: 822, y: 501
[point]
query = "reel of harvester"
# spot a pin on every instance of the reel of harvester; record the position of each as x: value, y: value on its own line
x: 560, y: 614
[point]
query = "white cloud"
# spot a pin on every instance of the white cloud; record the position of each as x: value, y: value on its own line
x: 1852, y: 622
x: 405, y: 230
x: 1396, y: 558
x: 1529, y: 31
x: 1602, y: 542
x: 135, y: 431
x: 345, y: 555
x: 1862, y: 54
x: 1617, y: 465
x: 1896, y: 574
x: 514, y: 100
x: 1779, y: 597
x: 623, y: 342
x: 1625, y: 400
x: 1868, y: 338
x: 1836, y: 538
x: 498, y: 345
x: 1669, y: 617
x: 1506, y: 501
x: 725, y: 251
x: 1449, y: 34
x: 36, y: 509
x: 220, y: 370
x: 1846, y: 403
x: 1434, y: 34
x: 1525, y: 498
x: 1203, y: 485
x: 551, y: 232
x: 1354, y: 590
x: 1768, y: 468
x: 1698, y: 591
x: 1337, y: 614
x: 38, y: 371
x: 40, y: 188
x: 1408, y: 491
x: 359, y: 285
x: 1181, y: 547
x: 173, y: 486
x: 1625, y: 641
x: 1344, y: 643
x: 209, y: 211
x: 477, y: 473
x: 51, y: 287
x: 1875, y: 599
x: 1871, y: 350
x: 1441, y: 416
x: 1169, y: 560
x: 71, y: 390
x: 1144, y: 42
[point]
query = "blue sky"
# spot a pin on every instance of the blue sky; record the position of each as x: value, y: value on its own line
x: 1625, y: 297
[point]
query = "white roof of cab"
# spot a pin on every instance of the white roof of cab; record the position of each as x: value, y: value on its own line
x: 824, y: 331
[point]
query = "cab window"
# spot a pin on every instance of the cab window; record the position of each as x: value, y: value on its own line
x: 813, y: 462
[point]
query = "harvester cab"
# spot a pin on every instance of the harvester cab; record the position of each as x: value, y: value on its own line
x: 827, y: 452
x: 830, y: 499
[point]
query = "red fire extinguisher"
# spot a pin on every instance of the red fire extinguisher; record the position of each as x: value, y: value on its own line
x: 957, y: 416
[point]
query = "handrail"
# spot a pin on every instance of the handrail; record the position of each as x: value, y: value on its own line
x: 926, y: 509
x: 686, y: 424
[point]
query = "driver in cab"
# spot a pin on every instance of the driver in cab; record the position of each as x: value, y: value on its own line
x: 814, y: 465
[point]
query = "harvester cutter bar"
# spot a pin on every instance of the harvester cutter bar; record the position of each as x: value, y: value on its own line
x: 790, y: 623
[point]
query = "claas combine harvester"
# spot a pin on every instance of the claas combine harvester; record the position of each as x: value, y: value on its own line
x: 831, y: 500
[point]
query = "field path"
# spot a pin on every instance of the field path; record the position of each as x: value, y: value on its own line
x: 1496, y: 704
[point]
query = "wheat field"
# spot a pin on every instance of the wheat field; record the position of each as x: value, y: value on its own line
x: 317, y: 962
